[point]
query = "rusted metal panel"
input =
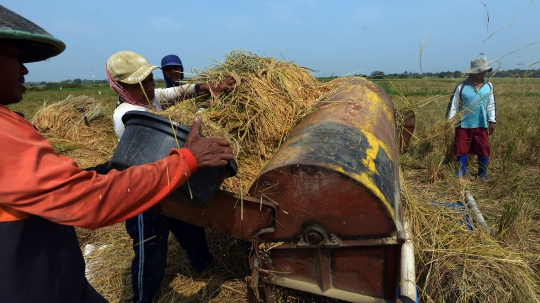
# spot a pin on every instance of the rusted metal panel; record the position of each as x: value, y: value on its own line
x: 224, y: 214
x: 313, y: 194
x: 351, y: 273
x: 335, y: 180
x: 338, y: 167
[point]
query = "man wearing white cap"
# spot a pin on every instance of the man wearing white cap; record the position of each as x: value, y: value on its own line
x: 474, y: 101
x: 130, y: 76
x: 43, y: 194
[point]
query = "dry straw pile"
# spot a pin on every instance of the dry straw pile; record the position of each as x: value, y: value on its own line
x: 456, y: 264
x: 271, y: 96
x: 77, y: 127
x: 108, y: 253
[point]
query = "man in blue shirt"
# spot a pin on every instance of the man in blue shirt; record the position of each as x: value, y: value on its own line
x: 473, y: 108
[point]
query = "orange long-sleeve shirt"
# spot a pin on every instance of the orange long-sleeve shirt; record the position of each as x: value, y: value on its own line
x: 34, y: 180
x: 42, y: 195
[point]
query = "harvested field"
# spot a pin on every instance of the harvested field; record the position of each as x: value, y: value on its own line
x: 454, y: 264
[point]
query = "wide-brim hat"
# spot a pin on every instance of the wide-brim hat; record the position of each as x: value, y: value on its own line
x: 33, y: 42
x: 129, y: 67
x: 479, y: 65
x: 171, y: 60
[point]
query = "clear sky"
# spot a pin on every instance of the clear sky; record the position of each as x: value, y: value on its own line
x: 336, y: 37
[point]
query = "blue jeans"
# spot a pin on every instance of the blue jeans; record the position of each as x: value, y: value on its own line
x: 148, y: 265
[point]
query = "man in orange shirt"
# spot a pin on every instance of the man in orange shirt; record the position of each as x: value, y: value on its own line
x: 43, y: 195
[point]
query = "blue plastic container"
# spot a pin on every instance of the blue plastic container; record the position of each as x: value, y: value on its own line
x: 148, y: 138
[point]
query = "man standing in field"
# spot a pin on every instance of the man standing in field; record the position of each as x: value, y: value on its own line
x: 473, y: 107
x: 43, y: 194
x: 130, y: 76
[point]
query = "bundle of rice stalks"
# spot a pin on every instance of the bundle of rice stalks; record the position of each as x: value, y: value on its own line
x: 270, y: 97
x: 77, y: 124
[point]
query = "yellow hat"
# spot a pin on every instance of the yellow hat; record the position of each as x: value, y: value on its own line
x: 129, y: 67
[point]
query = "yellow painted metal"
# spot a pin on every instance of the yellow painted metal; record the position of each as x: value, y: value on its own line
x: 364, y: 107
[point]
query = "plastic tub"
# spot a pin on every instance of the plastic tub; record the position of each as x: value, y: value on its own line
x: 148, y: 138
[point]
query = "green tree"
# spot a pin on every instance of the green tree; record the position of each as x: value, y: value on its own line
x: 377, y: 74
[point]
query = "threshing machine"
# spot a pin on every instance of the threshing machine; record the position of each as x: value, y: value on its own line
x: 325, y: 215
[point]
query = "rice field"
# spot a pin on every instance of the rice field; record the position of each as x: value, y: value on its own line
x: 453, y: 263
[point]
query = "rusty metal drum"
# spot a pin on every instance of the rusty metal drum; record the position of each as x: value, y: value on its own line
x: 335, y: 180
x: 339, y: 167
x: 325, y: 215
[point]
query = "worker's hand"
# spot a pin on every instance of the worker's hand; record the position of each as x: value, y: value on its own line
x: 491, y: 129
x: 223, y: 86
x: 209, y: 152
x: 227, y: 84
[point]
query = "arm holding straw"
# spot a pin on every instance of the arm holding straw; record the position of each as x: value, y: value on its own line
x: 217, y: 89
x: 172, y: 95
x: 55, y: 188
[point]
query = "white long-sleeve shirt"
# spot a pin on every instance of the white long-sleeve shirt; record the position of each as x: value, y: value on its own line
x: 163, y: 96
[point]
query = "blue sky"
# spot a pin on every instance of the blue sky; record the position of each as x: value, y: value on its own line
x: 332, y: 37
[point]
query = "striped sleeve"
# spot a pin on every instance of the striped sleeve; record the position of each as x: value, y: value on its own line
x: 453, y: 105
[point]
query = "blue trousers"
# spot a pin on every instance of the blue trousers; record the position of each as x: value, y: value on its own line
x: 150, y: 233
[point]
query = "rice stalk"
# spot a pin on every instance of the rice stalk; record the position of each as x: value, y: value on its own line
x: 270, y: 97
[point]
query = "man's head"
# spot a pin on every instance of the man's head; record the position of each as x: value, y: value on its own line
x: 21, y: 41
x: 172, y: 68
x: 131, y: 71
x: 12, y: 73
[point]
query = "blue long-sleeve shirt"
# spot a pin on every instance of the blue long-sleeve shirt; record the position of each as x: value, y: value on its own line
x: 477, y: 106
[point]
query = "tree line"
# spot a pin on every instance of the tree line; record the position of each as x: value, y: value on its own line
x: 511, y: 73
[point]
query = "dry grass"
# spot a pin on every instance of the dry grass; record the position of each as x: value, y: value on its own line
x: 453, y: 263
x: 91, y: 141
x: 459, y: 265
x: 108, y: 268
